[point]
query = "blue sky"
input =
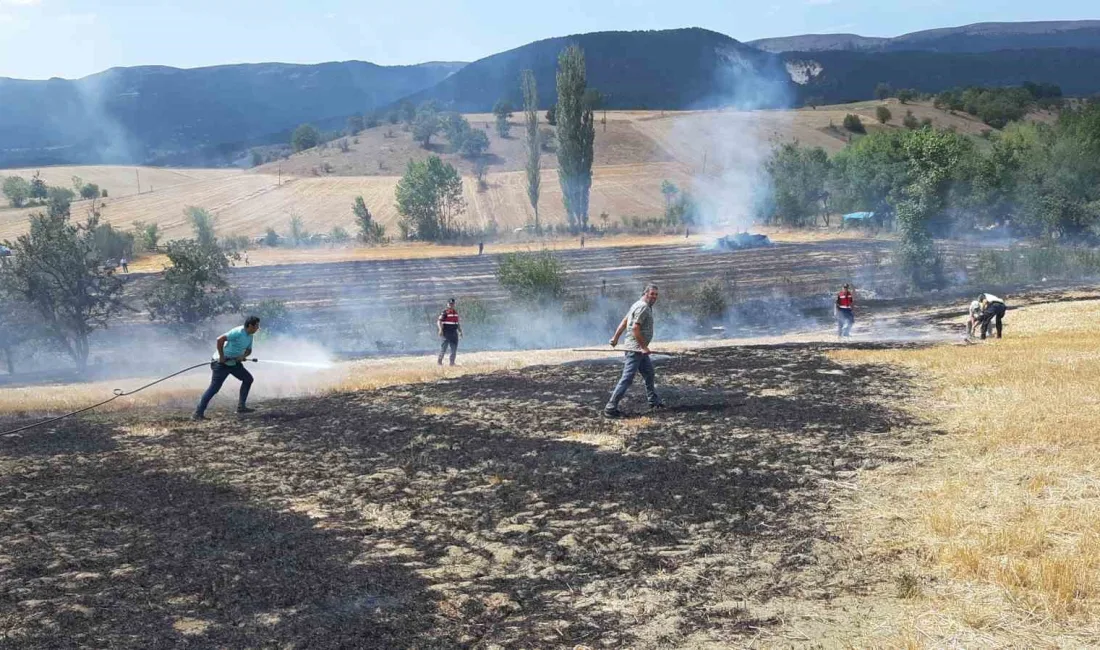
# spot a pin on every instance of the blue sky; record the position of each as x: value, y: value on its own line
x: 73, y: 38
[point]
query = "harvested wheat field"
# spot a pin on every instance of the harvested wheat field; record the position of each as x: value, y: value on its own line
x: 248, y: 204
x: 798, y: 494
x: 993, y: 534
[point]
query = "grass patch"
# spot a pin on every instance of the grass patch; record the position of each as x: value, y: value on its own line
x: 1007, y: 514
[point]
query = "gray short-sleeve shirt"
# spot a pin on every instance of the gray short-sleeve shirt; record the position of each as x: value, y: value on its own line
x: 642, y: 314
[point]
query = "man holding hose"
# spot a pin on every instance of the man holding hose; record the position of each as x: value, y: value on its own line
x: 233, y: 348
x: 638, y: 325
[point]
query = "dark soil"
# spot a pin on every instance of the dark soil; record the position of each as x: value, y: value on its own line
x: 486, y: 511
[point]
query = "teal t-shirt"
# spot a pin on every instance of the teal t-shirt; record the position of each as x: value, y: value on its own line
x: 237, y: 341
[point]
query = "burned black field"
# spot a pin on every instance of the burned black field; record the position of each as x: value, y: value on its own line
x: 484, y: 511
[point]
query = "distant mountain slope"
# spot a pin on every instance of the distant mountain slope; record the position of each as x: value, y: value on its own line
x: 132, y: 114
x: 840, y: 76
x: 979, y: 37
x: 668, y: 69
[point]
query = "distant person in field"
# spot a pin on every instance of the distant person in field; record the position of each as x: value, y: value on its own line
x: 233, y: 348
x: 844, y: 310
x: 125, y: 265
x: 993, y: 311
x: 450, y: 330
x: 638, y: 326
x: 480, y: 247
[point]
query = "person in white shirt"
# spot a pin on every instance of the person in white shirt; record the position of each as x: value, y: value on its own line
x: 975, y: 313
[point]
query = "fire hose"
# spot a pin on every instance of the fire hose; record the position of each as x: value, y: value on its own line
x: 118, y: 392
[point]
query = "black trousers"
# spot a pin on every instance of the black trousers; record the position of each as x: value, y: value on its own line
x: 992, y: 315
x: 451, y: 342
x: 218, y: 374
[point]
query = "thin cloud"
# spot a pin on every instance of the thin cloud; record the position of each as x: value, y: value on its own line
x: 78, y: 19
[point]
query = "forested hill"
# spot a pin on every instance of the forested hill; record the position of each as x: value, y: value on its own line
x: 840, y: 76
x: 132, y: 114
x: 667, y: 69
x: 979, y: 37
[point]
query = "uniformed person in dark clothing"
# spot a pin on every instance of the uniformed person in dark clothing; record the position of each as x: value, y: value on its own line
x: 450, y: 331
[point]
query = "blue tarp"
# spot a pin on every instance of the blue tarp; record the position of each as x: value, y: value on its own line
x: 4, y: 251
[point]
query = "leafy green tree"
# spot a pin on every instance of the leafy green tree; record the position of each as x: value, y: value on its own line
x: 193, y: 289
x: 271, y: 238
x: 298, y: 233
x: 576, y: 136
x: 429, y: 197
x: 669, y: 191
x: 882, y: 91
x: 456, y: 129
x: 475, y: 143
x: 910, y: 121
x: 305, y: 137
x: 370, y: 231
x: 426, y: 124
x: 60, y: 274
x: 38, y: 187
x: 339, y: 235
x: 503, y: 112
x: 18, y: 190
x: 371, y: 120
x: 202, y: 224
x: 531, y: 141
x: 113, y: 244
x: 551, y: 115
x: 854, y: 124
x: 906, y: 95
x: 933, y: 157
x: 89, y: 191
x: 798, y: 178
x: 532, y: 277
x: 882, y: 114
x: 146, y: 236
x: 19, y: 326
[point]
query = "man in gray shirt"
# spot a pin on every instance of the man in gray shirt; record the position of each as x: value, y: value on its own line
x: 638, y: 325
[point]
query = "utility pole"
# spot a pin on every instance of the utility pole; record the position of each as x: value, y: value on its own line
x: 137, y: 175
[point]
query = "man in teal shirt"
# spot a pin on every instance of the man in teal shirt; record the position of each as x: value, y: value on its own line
x: 233, y: 348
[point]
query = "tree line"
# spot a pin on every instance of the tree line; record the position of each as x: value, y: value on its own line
x: 1039, y: 180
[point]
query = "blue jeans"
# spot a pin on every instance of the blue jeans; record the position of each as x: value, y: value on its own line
x: 844, y: 321
x: 219, y: 373
x: 634, y: 363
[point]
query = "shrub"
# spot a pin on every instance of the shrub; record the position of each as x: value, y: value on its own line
x: 883, y: 114
x: 708, y: 301
x: 274, y: 317
x: 533, y: 277
x: 910, y: 121
x: 853, y: 123
x: 339, y: 235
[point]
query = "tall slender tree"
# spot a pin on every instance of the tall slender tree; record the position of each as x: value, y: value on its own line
x: 531, y: 139
x: 576, y: 135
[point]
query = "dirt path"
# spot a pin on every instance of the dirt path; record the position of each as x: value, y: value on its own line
x: 484, y: 511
